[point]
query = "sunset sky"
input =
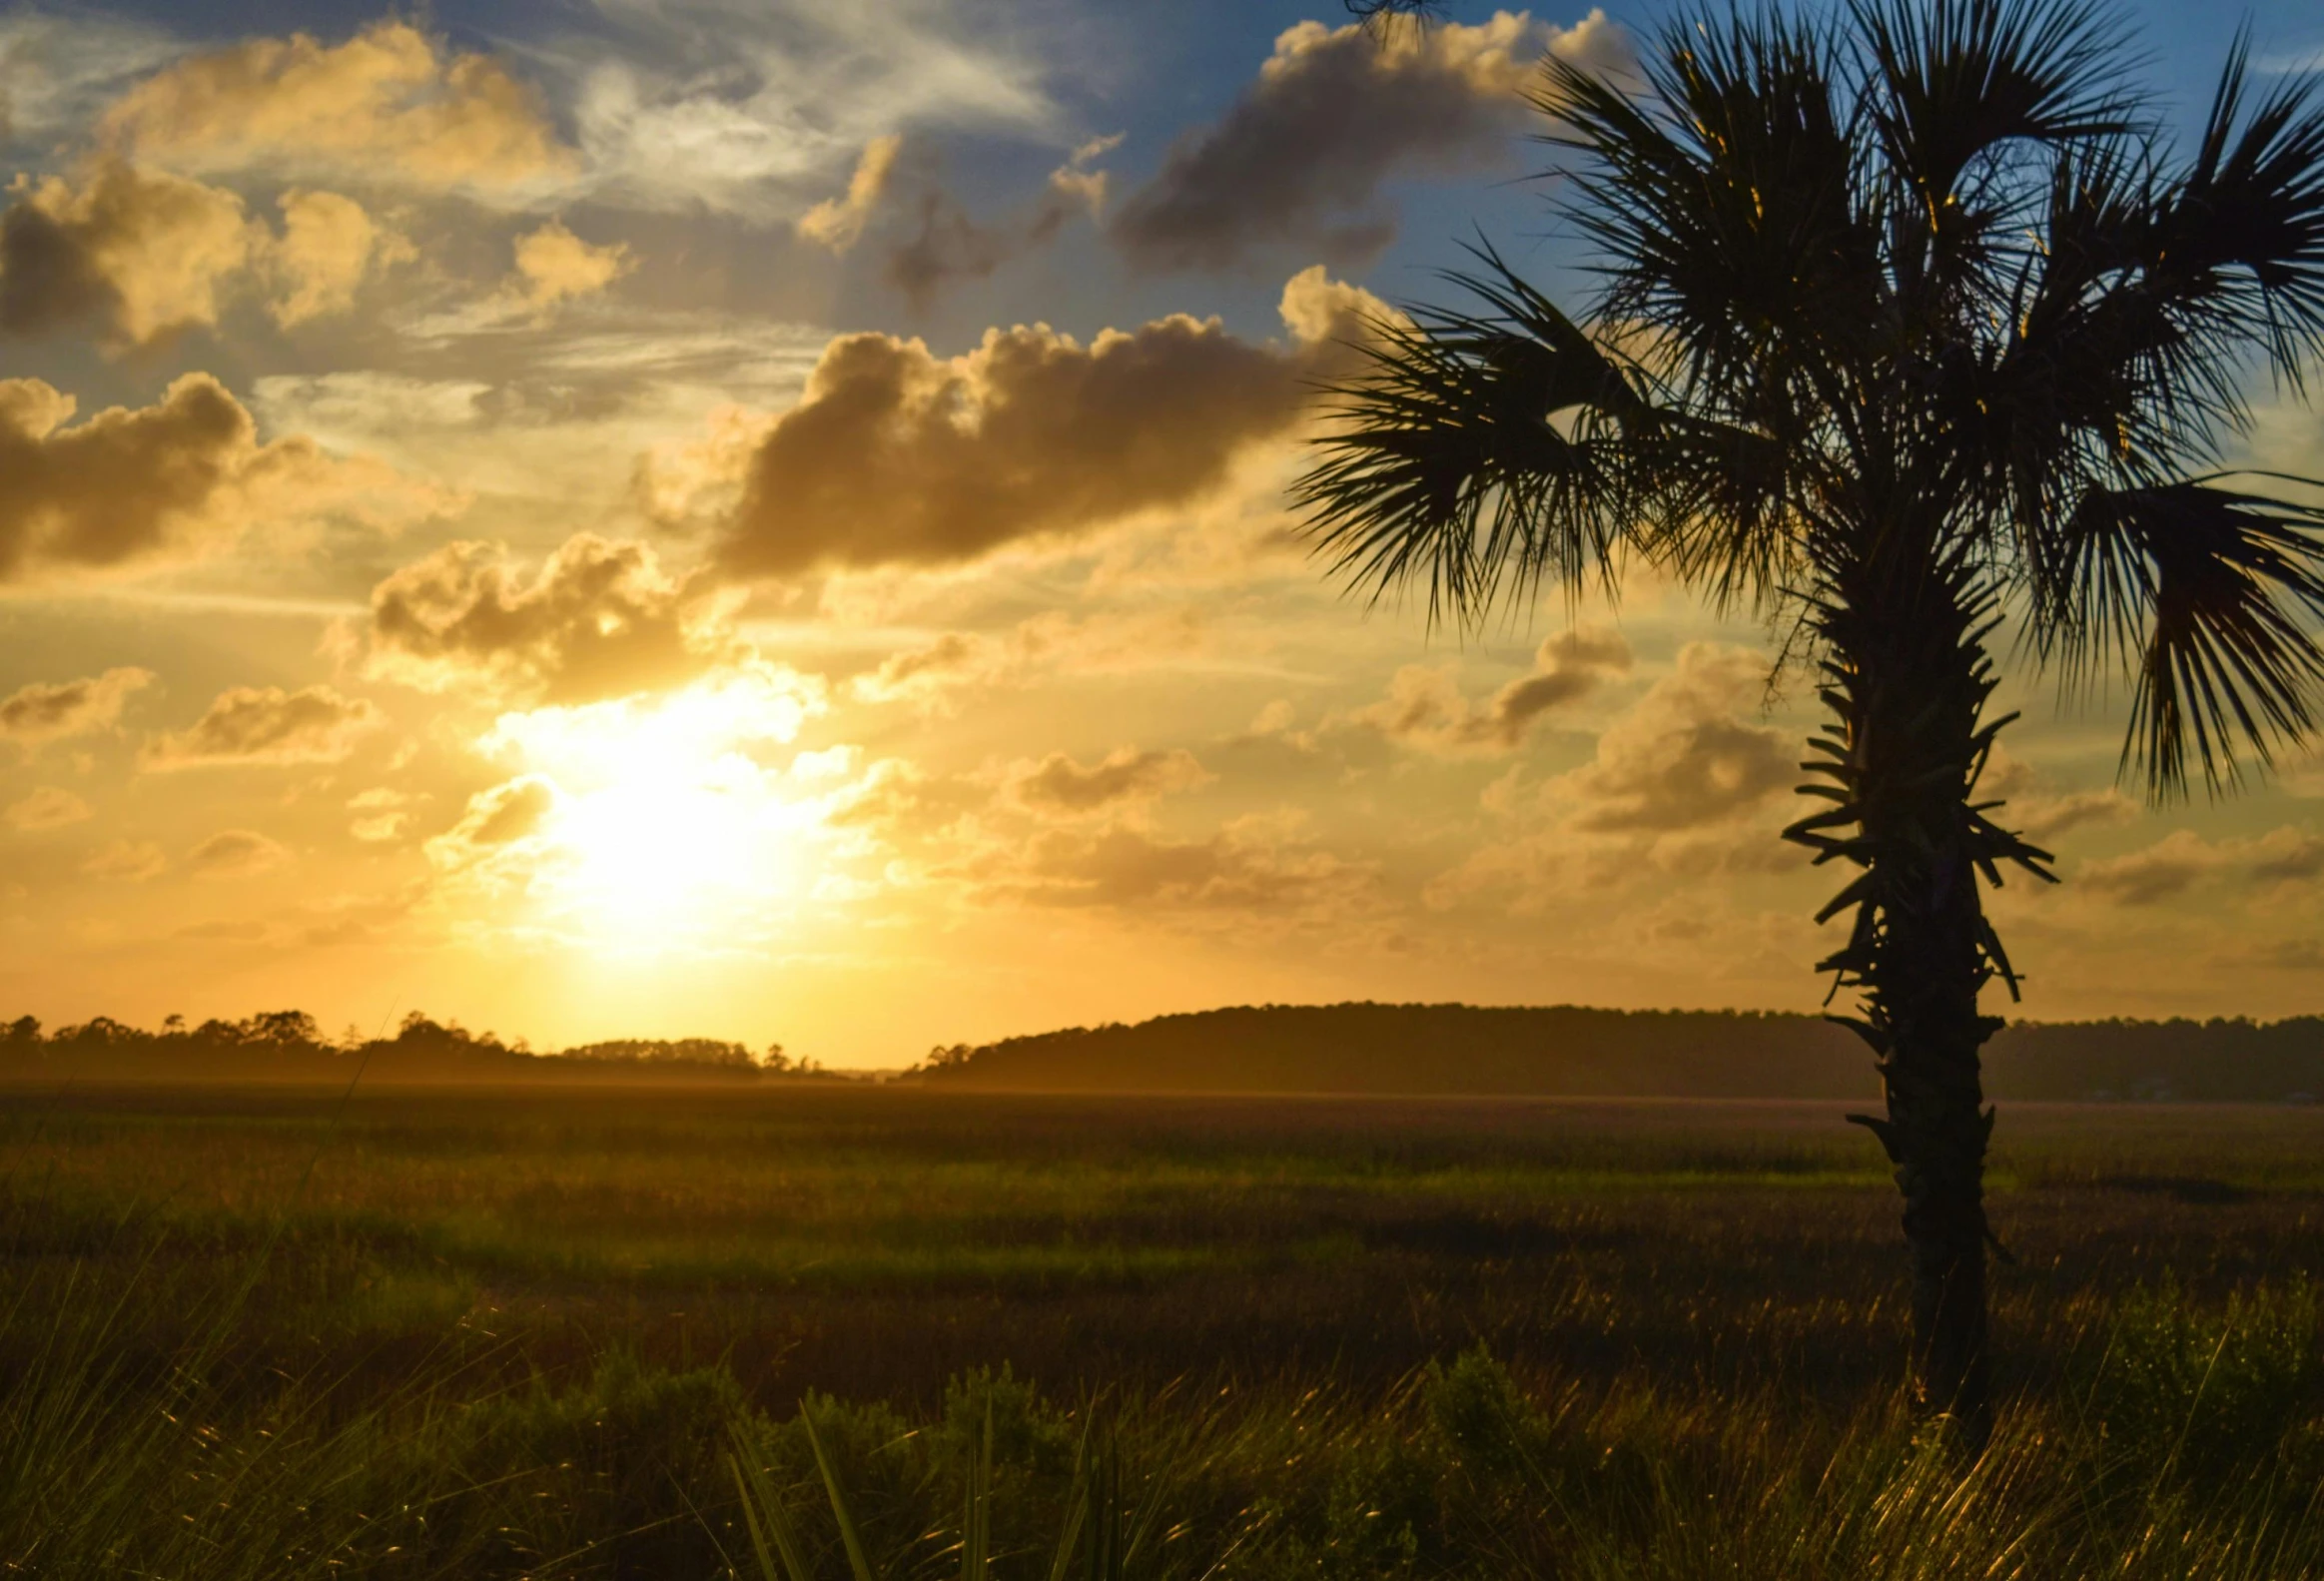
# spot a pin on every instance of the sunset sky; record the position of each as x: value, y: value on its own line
x: 763, y: 518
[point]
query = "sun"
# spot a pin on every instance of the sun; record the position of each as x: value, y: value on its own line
x: 670, y: 825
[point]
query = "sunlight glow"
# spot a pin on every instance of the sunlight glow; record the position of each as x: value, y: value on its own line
x: 670, y: 828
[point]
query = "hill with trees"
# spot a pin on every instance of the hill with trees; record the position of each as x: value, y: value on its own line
x: 1568, y: 1050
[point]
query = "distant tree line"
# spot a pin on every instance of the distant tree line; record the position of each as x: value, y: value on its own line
x: 289, y: 1045
x: 1571, y: 1050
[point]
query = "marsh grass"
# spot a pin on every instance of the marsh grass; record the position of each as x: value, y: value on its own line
x: 272, y: 1335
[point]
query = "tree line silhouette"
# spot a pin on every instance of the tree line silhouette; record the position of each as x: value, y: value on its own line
x: 1573, y: 1051
x: 290, y: 1045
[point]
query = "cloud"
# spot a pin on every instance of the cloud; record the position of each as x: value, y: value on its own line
x: 1244, y: 870
x: 390, y: 104
x: 950, y: 245
x: 2045, y: 818
x: 2141, y: 878
x: 1425, y: 707
x: 895, y: 457
x: 837, y: 223
x: 1060, y: 787
x: 933, y: 675
x: 49, y: 807
x: 132, y: 486
x: 1678, y: 786
x: 143, y: 251
x: 381, y: 814
x: 1684, y: 757
x: 127, y: 862
x: 146, y: 255
x: 52, y: 710
x: 555, y: 265
x: 236, y: 853
x: 2181, y: 859
x: 497, y: 819
x: 1336, y: 113
x: 758, y: 108
x: 330, y: 246
x: 598, y: 619
x: 267, y: 725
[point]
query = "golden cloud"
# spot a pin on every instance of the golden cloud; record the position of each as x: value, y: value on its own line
x: 147, y: 254
x: 1058, y: 786
x: 52, y: 710
x: 173, y: 479
x: 236, y: 853
x: 127, y: 862
x: 837, y: 223
x: 390, y: 104
x: 895, y: 457
x: 145, y: 251
x: 330, y: 246
x: 556, y: 265
x: 1687, y: 756
x: 49, y: 807
x: 1426, y: 706
x: 267, y: 725
x: 597, y: 620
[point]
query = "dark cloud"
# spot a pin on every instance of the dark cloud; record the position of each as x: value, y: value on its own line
x: 598, y: 619
x: 897, y: 456
x: 236, y: 853
x: 1060, y: 786
x: 52, y: 710
x: 265, y: 724
x: 132, y: 486
x: 1302, y: 156
x: 1237, y: 871
x: 1687, y: 756
x: 1427, y: 708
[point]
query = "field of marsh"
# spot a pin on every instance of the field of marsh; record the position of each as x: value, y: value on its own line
x: 536, y: 1333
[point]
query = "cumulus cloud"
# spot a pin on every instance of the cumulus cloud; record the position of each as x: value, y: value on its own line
x: 837, y: 223
x: 1244, y: 871
x: 2179, y: 860
x: 895, y: 457
x: 381, y: 814
x: 265, y: 724
x: 49, y: 807
x: 597, y: 620
x: 950, y: 245
x: 52, y: 710
x: 330, y: 246
x: 1687, y: 756
x: 390, y: 104
x: 1425, y: 707
x: 496, y: 820
x: 177, y: 479
x: 555, y: 265
x: 1336, y: 112
x: 1060, y: 787
x: 935, y: 673
x: 144, y: 253
x: 236, y: 853
x: 126, y: 862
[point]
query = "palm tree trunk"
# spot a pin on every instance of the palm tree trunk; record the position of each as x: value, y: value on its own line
x: 1908, y: 683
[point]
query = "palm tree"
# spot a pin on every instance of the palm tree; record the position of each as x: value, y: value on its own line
x: 1908, y: 321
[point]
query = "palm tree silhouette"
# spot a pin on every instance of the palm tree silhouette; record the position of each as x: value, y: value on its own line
x: 1909, y: 321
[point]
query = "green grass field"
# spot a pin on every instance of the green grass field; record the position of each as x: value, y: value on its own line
x: 518, y: 1333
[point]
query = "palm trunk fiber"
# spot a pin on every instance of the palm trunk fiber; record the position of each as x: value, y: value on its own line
x: 1909, y: 683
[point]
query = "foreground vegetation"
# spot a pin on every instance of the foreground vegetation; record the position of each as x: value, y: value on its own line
x: 506, y: 1335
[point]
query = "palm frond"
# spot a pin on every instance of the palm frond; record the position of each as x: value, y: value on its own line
x: 2211, y: 597
x: 1480, y: 452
